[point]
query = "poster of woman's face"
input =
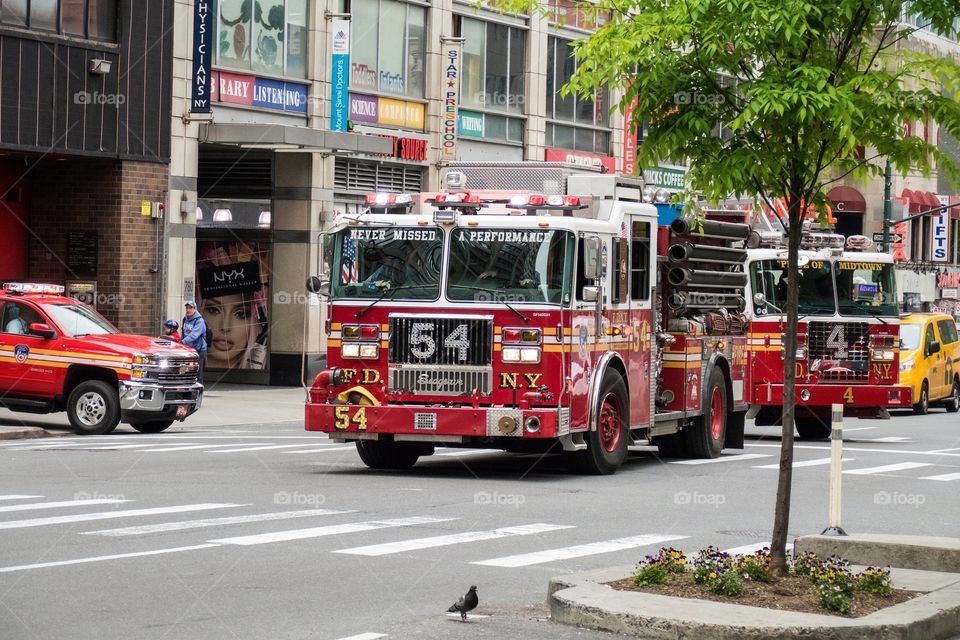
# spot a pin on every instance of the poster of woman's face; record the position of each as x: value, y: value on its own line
x: 232, y: 294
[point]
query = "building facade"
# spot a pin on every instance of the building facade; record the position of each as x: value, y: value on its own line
x: 85, y: 89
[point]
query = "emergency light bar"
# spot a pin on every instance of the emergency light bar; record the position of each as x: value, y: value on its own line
x: 384, y: 199
x: 456, y: 198
x: 33, y: 287
x: 535, y: 201
x: 822, y: 241
x: 859, y: 243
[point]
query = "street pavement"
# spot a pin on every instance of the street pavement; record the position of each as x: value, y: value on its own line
x: 271, y: 532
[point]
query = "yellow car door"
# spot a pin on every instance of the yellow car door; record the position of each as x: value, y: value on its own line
x: 932, y: 363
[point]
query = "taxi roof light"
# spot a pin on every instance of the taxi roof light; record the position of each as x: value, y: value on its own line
x: 34, y: 287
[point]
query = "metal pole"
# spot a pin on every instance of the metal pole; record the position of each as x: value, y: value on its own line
x: 887, y: 206
x: 836, y: 459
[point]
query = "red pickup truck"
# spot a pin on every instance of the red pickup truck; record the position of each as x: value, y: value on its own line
x: 59, y: 354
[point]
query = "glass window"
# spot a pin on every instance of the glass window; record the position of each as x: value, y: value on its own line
x: 948, y: 331
x: 79, y: 320
x: 471, y: 89
x: 102, y: 20
x: 563, y: 136
x: 769, y: 277
x: 267, y: 45
x: 640, y: 261
x: 509, y: 265
x: 399, y: 263
x: 416, y: 48
x: 18, y: 317
x: 566, y: 64
x: 495, y: 127
x: 72, y: 18
x: 496, y: 78
x: 235, y: 24
x: 392, y: 74
x: 551, y: 83
x: 583, y: 140
x: 515, y: 130
x: 866, y: 289
x: 43, y: 15
x: 517, y: 60
x: 909, y: 336
x: 363, y: 48
x: 14, y: 12
x: 928, y: 339
x: 296, y: 38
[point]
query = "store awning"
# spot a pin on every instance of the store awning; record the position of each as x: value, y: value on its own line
x: 920, y: 200
x: 282, y: 137
x: 847, y: 200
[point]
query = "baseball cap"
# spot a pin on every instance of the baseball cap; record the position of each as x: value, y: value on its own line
x: 190, y: 303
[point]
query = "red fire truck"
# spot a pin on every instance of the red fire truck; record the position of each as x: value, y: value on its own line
x: 848, y: 334
x: 531, y: 307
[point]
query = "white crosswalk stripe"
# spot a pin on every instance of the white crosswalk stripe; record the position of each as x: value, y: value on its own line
x: 803, y: 463
x: 263, y: 448
x: 183, y: 448
x: 331, y: 530
x: 750, y: 549
x: 887, y: 468
x: 370, y: 635
x: 57, y: 505
x: 578, y: 551
x: 947, y: 477
x: 118, y: 556
x: 467, y: 452
x: 326, y: 449
x: 454, y: 538
x: 214, y: 522
x: 112, y: 515
x: 726, y: 458
x: 19, y: 497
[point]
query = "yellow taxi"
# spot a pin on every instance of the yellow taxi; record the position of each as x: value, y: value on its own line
x: 930, y: 360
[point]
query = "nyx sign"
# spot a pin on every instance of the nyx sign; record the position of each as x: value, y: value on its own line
x: 230, y: 279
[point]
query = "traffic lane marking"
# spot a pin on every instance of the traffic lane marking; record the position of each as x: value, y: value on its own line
x: 118, y: 556
x: 183, y: 448
x: 262, y: 448
x: 418, y: 544
x: 370, y: 635
x: 578, y: 551
x: 62, y: 503
x: 804, y: 463
x: 947, y: 477
x: 723, y: 458
x: 330, y: 530
x: 20, y: 497
x: 750, y: 549
x: 827, y: 448
x: 111, y: 515
x: 214, y: 522
x: 887, y: 468
x: 326, y: 449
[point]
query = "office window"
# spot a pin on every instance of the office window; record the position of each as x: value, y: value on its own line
x: 574, y: 122
x: 267, y: 37
x: 90, y: 19
x: 493, y: 57
x: 387, y: 48
x: 640, y: 261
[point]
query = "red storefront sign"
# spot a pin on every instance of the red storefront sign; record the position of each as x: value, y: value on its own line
x: 629, y: 163
x: 949, y: 280
x: 232, y: 87
x: 408, y: 148
x: 582, y: 158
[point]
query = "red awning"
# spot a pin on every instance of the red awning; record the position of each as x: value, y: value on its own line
x: 847, y: 200
x: 920, y: 200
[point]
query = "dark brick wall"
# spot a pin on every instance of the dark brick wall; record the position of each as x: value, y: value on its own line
x: 102, y: 196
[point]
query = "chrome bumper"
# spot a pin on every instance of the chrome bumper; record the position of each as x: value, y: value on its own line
x: 159, y: 398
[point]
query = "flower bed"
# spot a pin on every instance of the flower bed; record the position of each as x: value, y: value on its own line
x: 814, y: 585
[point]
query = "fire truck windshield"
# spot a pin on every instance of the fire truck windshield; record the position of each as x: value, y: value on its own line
x: 769, y: 277
x: 866, y: 288
x: 402, y: 262
x: 510, y: 265
x: 77, y: 320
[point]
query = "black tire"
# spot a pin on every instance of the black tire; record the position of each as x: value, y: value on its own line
x: 704, y: 438
x: 607, y: 445
x: 923, y: 402
x: 812, y: 428
x: 391, y: 455
x: 952, y: 405
x: 93, y: 408
x: 671, y: 446
x: 151, y: 426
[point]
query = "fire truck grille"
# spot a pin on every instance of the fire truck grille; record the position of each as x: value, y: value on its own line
x: 444, y: 340
x: 843, y: 350
x: 441, y: 381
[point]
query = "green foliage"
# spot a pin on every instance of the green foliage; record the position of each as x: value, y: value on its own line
x: 653, y: 570
x: 650, y: 575
x: 875, y: 580
x: 710, y: 564
x: 756, y: 567
x: 728, y: 584
x: 804, y: 564
x: 834, y: 599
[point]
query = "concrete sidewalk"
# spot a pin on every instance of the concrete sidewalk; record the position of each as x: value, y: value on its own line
x: 224, y: 405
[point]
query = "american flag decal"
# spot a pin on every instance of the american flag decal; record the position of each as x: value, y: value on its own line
x: 348, y: 268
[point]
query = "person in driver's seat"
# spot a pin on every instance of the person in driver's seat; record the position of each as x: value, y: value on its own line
x: 16, y: 324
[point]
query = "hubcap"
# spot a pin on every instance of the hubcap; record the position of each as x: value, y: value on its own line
x: 610, y: 423
x: 91, y: 409
x: 716, y: 414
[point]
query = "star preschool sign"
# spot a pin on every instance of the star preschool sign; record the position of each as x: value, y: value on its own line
x: 451, y: 98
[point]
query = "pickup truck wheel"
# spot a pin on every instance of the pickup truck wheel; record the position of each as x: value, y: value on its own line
x: 953, y: 402
x: 390, y: 455
x: 607, y: 446
x: 93, y: 408
x: 704, y: 438
x: 151, y: 426
x: 923, y: 402
x: 812, y: 428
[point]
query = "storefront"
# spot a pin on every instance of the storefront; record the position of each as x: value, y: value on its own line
x: 848, y: 207
x: 948, y: 288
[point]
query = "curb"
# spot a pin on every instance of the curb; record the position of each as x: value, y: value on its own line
x: 908, y: 552
x: 583, y: 600
x: 22, y: 433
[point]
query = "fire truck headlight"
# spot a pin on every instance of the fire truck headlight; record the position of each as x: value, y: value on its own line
x: 370, y: 351
x: 526, y: 355
x: 350, y: 351
x: 907, y: 365
x: 510, y: 354
x: 883, y: 355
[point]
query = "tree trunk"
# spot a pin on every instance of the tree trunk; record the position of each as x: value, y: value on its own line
x: 781, y: 519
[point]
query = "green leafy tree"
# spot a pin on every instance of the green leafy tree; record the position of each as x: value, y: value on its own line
x: 801, y: 88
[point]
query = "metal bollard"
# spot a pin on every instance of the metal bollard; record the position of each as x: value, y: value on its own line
x: 836, y: 470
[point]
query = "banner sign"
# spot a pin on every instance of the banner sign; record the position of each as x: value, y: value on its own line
x: 629, y: 160
x: 664, y: 178
x: 251, y: 91
x: 940, y: 233
x: 450, y: 91
x: 340, y: 81
x: 202, y: 54
x: 900, y: 242
x: 470, y: 124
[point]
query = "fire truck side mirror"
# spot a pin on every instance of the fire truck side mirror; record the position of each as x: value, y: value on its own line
x: 318, y: 286
x: 759, y: 299
x: 591, y: 294
x: 591, y: 257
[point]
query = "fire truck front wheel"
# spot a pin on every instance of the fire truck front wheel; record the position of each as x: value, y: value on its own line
x: 93, y: 408
x: 813, y: 427
x: 391, y: 455
x: 607, y: 445
x: 704, y: 438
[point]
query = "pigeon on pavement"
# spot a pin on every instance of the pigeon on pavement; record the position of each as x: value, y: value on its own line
x: 467, y: 602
